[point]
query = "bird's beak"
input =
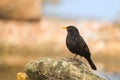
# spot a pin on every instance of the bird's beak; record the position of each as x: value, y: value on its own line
x: 64, y: 27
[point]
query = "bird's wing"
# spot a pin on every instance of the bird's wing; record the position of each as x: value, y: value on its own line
x: 80, y: 41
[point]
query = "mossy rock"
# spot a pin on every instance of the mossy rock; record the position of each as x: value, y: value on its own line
x: 59, y: 69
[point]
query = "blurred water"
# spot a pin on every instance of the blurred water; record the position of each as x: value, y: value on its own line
x: 113, y: 75
x: 108, y: 75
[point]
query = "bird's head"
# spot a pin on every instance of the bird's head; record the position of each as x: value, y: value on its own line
x: 72, y: 30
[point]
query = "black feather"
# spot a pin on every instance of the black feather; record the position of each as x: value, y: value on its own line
x: 76, y: 44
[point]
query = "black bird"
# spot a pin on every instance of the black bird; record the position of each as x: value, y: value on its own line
x: 76, y: 44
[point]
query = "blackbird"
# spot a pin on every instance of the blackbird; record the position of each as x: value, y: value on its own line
x: 76, y: 44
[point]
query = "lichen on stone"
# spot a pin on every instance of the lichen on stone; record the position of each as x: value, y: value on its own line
x: 59, y: 69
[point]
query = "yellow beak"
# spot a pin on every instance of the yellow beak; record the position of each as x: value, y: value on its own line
x: 64, y: 27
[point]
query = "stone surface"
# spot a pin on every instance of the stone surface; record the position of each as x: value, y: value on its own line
x: 59, y: 69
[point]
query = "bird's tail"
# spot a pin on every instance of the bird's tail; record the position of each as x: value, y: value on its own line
x: 91, y: 63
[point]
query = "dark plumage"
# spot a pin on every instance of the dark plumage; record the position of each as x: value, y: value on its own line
x: 76, y: 44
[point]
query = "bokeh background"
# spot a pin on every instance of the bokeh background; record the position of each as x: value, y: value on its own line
x: 31, y: 29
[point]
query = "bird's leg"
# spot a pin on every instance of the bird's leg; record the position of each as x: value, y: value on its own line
x: 74, y: 56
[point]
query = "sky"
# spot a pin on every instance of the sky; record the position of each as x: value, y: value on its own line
x: 98, y: 9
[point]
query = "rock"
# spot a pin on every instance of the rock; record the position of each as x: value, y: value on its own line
x: 20, y: 9
x: 22, y: 76
x: 59, y: 69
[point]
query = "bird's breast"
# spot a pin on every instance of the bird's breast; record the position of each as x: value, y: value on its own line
x: 72, y: 44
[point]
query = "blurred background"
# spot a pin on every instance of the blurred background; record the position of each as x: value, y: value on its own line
x: 31, y: 29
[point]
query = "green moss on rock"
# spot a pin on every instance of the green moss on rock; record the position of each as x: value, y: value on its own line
x: 59, y: 69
